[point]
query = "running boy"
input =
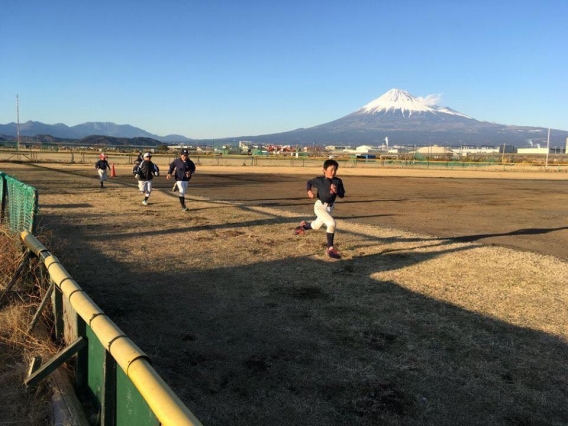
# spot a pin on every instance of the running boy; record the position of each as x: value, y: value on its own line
x: 184, y: 168
x: 102, y: 166
x: 329, y: 187
x: 145, y: 172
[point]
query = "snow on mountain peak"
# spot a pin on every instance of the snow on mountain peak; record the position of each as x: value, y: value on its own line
x: 398, y: 99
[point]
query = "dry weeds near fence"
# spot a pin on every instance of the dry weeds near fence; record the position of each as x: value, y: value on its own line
x: 19, y: 405
x: 251, y: 325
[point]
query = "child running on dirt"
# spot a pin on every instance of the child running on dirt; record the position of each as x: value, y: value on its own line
x: 102, y: 167
x: 182, y: 169
x: 329, y: 187
x: 144, y: 172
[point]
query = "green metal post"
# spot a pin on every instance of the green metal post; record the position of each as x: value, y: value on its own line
x: 58, y: 313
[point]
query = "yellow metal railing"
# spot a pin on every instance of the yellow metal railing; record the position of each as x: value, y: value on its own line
x: 166, y: 406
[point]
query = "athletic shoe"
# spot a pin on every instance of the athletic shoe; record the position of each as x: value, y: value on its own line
x: 300, y: 229
x: 184, y: 208
x: 331, y: 252
x: 145, y: 202
x: 175, y: 187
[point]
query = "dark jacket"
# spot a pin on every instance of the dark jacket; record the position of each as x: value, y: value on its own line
x: 183, y: 169
x: 102, y: 164
x: 146, y: 170
x: 323, y: 186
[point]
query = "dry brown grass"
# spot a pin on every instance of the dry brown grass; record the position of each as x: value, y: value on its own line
x: 251, y: 325
x: 19, y: 405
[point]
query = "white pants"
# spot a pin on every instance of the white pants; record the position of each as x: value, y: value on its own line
x: 102, y: 174
x: 182, y: 187
x: 145, y: 187
x: 323, y: 217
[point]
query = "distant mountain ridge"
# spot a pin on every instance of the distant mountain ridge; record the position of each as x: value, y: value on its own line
x: 60, y: 130
x: 396, y: 115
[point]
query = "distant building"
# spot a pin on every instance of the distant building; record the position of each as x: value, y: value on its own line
x: 466, y: 150
x: 435, y: 151
x: 337, y: 148
x: 532, y: 150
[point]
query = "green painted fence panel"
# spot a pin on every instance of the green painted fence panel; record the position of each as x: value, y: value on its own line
x: 95, y: 367
x: 131, y: 408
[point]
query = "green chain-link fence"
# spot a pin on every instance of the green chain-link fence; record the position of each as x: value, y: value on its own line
x: 19, y: 204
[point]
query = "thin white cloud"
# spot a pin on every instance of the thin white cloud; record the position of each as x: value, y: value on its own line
x: 431, y: 100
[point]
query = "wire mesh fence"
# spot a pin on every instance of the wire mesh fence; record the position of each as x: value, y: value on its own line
x: 19, y: 204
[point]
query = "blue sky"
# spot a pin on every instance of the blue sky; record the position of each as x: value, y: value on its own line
x: 216, y: 68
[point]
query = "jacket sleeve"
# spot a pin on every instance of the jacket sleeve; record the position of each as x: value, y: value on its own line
x: 339, y: 185
x: 171, y: 168
x: 309, y: 184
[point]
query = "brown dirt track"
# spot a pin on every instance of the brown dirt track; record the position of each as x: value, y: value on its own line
x: 493, y: 208
x: 430, y: 318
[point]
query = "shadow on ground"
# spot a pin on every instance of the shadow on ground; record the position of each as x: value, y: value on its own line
x: 304, y: 341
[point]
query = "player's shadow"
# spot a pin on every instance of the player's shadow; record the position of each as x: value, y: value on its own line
x: 363, y: 201
x: 285, y: 202
x: 525, y: 231
x: 362, y: 216
x: 65, y: 206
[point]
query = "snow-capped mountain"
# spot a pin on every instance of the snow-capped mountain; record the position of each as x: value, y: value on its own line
x: 403, y: 118
x: 402, y: 102
x: 409, y: 120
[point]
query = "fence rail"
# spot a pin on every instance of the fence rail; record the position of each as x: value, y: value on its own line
x: 509, y: 162
x: 131, y: 395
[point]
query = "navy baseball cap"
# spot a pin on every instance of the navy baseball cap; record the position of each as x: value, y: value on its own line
x: 184, y: 152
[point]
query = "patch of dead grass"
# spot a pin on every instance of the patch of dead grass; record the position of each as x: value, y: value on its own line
x: 252, y: 325
x: 19, y: 404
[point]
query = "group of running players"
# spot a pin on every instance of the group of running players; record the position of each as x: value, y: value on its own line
x: 328, y: 187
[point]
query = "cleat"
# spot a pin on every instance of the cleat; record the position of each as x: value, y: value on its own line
x: 331, y: 252
x: 175, y: 187
x: 184, y: 208
x: 300, y: 229
x: 145, y: 203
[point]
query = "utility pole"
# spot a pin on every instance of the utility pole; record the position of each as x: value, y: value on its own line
x: 18, y: 123
x: 547, y: 148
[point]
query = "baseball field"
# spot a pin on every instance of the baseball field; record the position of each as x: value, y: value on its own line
x: 449, y: 306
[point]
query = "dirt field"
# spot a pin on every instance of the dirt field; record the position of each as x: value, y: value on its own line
x: 449, y: 306
x: 528, y: 212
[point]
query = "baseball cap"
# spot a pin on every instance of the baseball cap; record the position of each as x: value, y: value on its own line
x: 184, y: 152
x: 147, y: 155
